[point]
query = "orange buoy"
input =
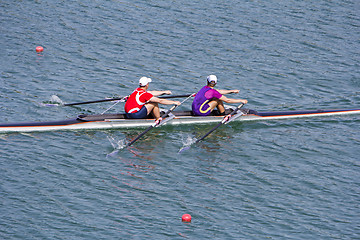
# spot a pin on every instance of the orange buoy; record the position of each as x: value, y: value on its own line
x: 39, y: 49
x: 186, y: 218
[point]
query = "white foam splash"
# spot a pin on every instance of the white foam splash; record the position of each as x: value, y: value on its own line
x: 116, y: 144
x: 189, y: 140
x: 56, y: 99
x: 187, y: 143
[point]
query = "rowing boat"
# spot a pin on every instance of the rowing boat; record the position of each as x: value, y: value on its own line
x: 118, y: 121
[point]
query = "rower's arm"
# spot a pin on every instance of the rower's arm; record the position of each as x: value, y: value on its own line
x: 163, y: 101
x: 158, y: 93
x: 228, y: 91
x: 232, y: 100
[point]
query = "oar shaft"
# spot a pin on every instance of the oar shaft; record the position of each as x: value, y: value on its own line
x: 208, y: 133
x: 121, y: 98
x: 223, y: 121
x: 96, y: 101
x: 139, y: 136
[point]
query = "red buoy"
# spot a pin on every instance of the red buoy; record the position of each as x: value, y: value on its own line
x: 186, y: 218
x: 39, y: 49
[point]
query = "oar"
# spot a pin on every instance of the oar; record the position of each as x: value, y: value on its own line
x: 223, y: 121
x: 157, y: 122
x: 112, y: 99
x: 96, y: 101
x: 87, y: 102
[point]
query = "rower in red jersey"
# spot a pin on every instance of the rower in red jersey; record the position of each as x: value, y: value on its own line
x: 142, y: 102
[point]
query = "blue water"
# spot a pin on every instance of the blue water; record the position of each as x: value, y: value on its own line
x: 284, y: 179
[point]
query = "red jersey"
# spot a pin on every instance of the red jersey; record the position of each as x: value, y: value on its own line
x: 137, y: 100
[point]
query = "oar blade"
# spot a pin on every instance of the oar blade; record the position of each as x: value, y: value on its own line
x: 183, y: 149
x: 113, y: 153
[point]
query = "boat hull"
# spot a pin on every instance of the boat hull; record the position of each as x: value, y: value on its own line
x: 118, y: 121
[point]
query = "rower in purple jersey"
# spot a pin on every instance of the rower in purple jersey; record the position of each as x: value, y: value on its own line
x: 208, y: 98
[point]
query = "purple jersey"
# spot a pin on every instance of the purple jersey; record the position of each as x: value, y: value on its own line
x: 200, y: 104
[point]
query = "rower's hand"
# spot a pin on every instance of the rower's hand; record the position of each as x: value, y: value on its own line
x: 177, y: 103
x: 167, y: 92
x: 235, y: 91
x: 244, y: 101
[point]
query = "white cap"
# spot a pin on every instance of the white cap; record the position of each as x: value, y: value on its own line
x: 212, y: 78
x: 144, y: 80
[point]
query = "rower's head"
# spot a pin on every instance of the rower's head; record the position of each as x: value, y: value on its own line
x: 211, y: 80
x: 144, y: 81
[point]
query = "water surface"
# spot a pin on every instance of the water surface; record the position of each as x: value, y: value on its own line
x: 285, y: 179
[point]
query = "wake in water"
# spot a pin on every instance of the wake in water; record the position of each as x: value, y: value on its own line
x: 187, y: 143
x: 116, y: 144
x: 54, y: 101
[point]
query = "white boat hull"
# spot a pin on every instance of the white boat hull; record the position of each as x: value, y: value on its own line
x: 121, y: 123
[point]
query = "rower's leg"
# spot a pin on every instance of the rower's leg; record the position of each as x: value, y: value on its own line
x: 221, y: 107
x: 219, y: 104
x: 154, y: 109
